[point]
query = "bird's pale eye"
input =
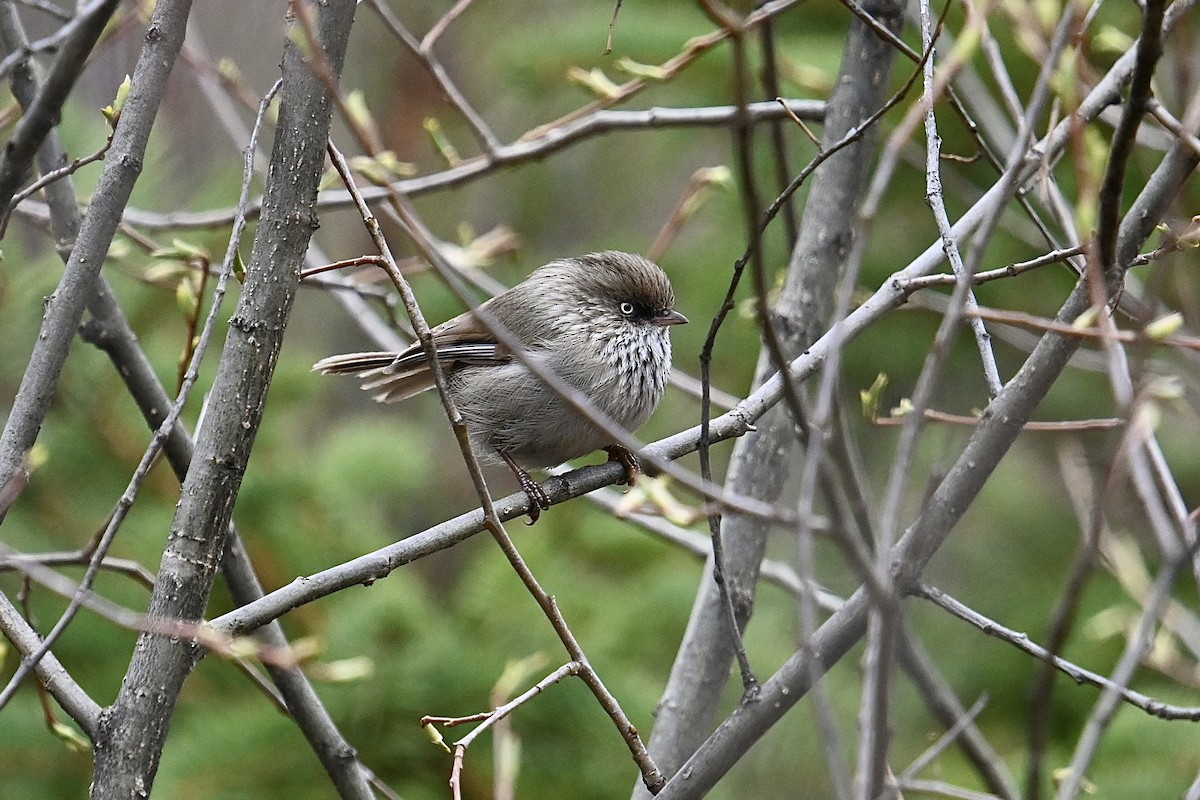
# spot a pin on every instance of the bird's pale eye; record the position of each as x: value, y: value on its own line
x: 627, y: 309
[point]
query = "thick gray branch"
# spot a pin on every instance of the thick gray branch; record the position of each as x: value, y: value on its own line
x: 998, y: 428
x: 64, y: 308
x: 761, y: 459
x: 109, y: 330
x: 133, y: 730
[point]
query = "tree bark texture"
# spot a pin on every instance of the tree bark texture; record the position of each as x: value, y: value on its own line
x: 133, y: 729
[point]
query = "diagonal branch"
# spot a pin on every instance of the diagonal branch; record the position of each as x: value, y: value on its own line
x: 997, y: 430
x: 42, y: 115
x: 69, y: 694
x: 133, y: 729
x: 1076, y: 673
x: 760, y: 462
x: 65, y: 307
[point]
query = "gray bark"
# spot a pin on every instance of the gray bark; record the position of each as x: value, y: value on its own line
x: 133, y: 730
x: 762, y: 459
x: 65, y: 307
x: 1000, y: 424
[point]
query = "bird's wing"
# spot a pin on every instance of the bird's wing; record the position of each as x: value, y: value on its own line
x: 397, y: 376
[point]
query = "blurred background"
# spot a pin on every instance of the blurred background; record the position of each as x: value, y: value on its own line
x: 333, y: 475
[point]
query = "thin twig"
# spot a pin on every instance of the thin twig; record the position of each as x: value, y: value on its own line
x: 1010, y: 271
x: 1148, y: 50
x: 79, y: 37
x: 1076, y: 673
x: 499, y: 713
x: 69, y: 694
x: 125, y: 566
x: 492, y: 520
x: 529, y: 147
x: 932, y: 752
x: 423, y: 51
x: 1056, y: 426
x: 743, y: 154
x: 442, y: 24
x: 50, y: 177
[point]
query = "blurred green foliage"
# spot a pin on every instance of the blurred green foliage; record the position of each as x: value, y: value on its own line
x: 334, y: 476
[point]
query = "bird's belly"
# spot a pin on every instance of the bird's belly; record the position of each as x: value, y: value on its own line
x: 508, y: 409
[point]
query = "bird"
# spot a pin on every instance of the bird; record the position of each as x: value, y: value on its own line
x: 600, y: 322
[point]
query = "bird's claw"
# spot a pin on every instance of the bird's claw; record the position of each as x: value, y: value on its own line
x: 626, y: 458
x: 538, y: 500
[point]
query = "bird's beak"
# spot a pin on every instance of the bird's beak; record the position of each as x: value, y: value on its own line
x: 671, y: 317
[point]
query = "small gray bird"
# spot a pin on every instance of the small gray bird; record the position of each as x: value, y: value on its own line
x: 599, y: 322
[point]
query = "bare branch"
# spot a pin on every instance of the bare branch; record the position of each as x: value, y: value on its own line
x: 137, y: 720
x: 43, y: 113
x: 1076, y: 673
x: 527, y: 148
x: 69, y: 694
x: 65, y: 307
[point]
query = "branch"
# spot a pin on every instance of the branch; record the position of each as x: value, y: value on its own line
x: 759, y: 464
x: 997, y: 430
x: 529, y: 147
x: 732, y: 424
x: 1079, y: 675
x: 169, y: 428
x: 1147, y: 52
x: 134, y: 728
x: 43, y: 114
x: 64, y: 308
x: 69, y: 694
x: 109, y: 331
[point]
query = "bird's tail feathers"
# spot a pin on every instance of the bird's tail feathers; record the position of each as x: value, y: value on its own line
x: 388, y: 386
x: 353, y: 363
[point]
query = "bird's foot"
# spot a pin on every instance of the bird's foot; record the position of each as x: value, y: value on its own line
x: 628, y: 459
x: 538, y: 499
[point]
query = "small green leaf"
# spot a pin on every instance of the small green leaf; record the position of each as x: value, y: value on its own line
x: 166, y: 272
x: 112, y: 113
x: 382, y: 169
x: 720, y: 177
x: 299, y: 37
x: 228, y: 69
x: 74, y: 740
x: 119, y: 248
x: 242, y: 647
x: 873, y: 396
x: 239, y: 267
x: 1085, y: 320
x: 401, y: 169
x: 187, y: 297
x: 703, y: 181
x: 1191, y: 237
x: 189, y: 250
x: 648, y: 72
x: 595, y: 81
x: 904, y: 409
x: 1165, y: 387
x: 39, y: 454
x: 182, y: 250
x: 1163, y: 327
x: 442, y: 142
x: 360, y: 115
x: 346, y: 670
x: 1111, y: 40
x: 435, y: 736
